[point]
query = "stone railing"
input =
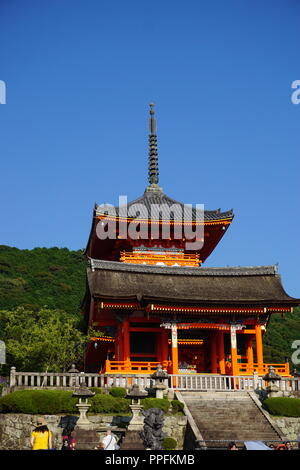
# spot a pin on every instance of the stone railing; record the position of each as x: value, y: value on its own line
x: 21, y: 380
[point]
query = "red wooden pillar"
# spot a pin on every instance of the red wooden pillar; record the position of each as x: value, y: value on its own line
x: 126, y: 341
x: 249, y: 351
x: 259, y: 349
x: 213, y: 353
x: 221, y: 352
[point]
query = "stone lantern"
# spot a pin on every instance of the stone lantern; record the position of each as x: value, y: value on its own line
x: 137, y: 421
x: 272, y: 380
x: 83, y: 393
x: 160, y: 378
x: 85, y: 433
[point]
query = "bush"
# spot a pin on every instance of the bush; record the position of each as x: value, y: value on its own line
x: 56, y: 402
x: 119, y: 392
x: 38, y: 402
x: 283, y: 406
x: 169, y: 443
x: 102, y: 403
x: 161, y: 403
x: 96, y: 390
x: 177, y: 405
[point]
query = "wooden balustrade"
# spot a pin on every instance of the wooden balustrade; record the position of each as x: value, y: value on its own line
x: 168, y: 258
x: 281, y: 369
x: 133, y: 367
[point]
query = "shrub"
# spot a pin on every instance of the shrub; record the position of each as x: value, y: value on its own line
x: 283, y: 406
x: 96, y: 389
x: 102, y: 403
x: 161, y: 403
x: 58, y: 401
x: 119, y: 392
x: 38, y: 402
x: 177, y: 405
x: 169, y: 443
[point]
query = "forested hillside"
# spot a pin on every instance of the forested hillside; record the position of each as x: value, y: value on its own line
x: 52, y: 277
x: 55, y: 278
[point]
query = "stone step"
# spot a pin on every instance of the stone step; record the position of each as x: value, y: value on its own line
x: 228, y: 416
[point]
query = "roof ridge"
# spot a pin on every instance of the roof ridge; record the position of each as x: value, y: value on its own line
x: 180, y: 270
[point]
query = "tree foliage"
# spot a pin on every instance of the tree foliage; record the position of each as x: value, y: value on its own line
x: 41, y: 340
x: 51, y: 277
x: 282, y: 331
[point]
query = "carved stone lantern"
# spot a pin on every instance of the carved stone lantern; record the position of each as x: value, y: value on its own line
x: 272, y: 380
x: 160, y: 378
x: 83, y: 393
x: 137, y: 421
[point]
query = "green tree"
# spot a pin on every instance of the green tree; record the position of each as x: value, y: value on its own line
x: 42, y: 340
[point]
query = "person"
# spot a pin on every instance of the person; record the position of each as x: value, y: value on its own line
x: 68, y: 439
x: 109, y: 442
x: 41, y: 437
x: 232, y: 446
x: 281, y: 447
x: 288, y: 445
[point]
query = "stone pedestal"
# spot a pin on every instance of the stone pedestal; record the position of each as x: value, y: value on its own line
x: 137, y: 421
x: 159, y: 390
x: 132, y: 441
x: 273, y: 390
x: 86, y: 437
x: 83, y: 408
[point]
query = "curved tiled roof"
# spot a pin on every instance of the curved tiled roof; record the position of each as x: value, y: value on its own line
x: 155, y: 197
x: 253, y: 285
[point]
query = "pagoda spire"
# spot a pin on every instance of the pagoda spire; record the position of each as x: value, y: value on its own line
x: 153, y: 171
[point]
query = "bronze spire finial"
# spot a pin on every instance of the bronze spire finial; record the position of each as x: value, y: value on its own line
x: 153, y: 154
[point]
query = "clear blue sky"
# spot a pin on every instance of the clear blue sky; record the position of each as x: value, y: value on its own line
x: 80, y: 75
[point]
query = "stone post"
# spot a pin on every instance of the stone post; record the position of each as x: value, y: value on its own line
x: 255, y: 380
x: 12, y: 379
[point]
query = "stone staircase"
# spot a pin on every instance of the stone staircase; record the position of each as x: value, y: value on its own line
x: 233, y: 416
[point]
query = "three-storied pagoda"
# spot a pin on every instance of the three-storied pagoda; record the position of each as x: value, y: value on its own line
x: 153, y: 302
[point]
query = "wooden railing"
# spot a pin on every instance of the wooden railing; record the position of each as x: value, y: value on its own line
x: 167, y: 258
x: 281, y: 369
x: 133, y: 367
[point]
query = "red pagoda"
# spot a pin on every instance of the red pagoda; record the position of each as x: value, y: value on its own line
x: 153, y: 302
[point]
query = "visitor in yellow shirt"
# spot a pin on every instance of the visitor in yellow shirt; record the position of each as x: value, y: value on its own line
x: 41, y: 437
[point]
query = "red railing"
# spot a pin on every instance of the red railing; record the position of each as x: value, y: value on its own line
x: 147, y: 367
x: 246, y: 369
x: 133, y: 367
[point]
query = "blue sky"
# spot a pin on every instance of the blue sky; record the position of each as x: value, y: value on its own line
x: 79, y: 77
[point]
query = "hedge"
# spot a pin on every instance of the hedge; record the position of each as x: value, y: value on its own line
x: 283, y: 406
x: 161, y: 403
x: 119, y: 392
x: 109, y: 404
x: 38, y: 402
x: 56, y: 402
